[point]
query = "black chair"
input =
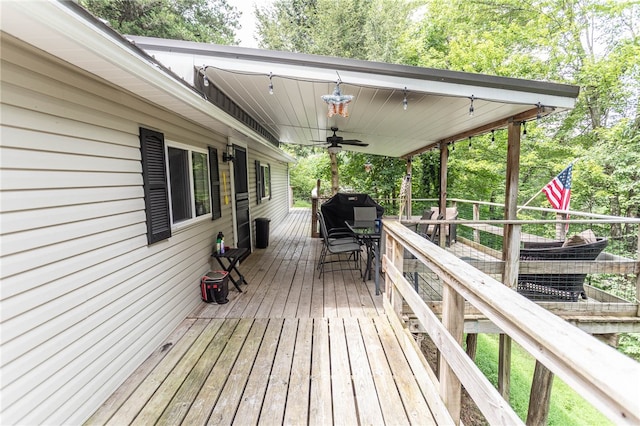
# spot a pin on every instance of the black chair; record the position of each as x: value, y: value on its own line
x: 337, y: 244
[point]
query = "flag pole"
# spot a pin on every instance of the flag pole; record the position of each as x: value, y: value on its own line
x: 530, y: 200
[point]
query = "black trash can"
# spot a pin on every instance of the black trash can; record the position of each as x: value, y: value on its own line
x: 262, y: 232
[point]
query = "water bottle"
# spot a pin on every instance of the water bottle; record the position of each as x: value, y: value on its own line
x: 219, y: 243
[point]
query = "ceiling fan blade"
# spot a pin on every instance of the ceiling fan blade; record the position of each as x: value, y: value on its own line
x: 354, y: 142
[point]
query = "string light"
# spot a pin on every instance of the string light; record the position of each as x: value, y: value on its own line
x: 539, y: 114
x: 493, y: 136
x: 471, y: 109
x: 469, y: 142
x: 405, y: 102
x: 270, y: 83
x: 524, y: 129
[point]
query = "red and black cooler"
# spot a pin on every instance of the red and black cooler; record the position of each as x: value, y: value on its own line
x: 214, y: 287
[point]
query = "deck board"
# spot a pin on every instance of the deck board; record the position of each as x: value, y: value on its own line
x: 292, y: 348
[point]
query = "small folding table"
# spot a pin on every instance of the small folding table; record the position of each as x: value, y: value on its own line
x: 232, y: 256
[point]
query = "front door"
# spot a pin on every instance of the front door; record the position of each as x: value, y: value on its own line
x: 241, y: 179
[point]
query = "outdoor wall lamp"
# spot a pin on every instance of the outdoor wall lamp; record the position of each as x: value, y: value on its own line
x: 228, y: 154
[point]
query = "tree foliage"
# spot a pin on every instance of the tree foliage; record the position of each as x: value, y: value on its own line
x: 210, y: 21
x: 590, y: 43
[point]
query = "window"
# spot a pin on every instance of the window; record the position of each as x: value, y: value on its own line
x: 189, y: 184
x: 266, y: 181
x: 263, y: 181
x: 180, y: 184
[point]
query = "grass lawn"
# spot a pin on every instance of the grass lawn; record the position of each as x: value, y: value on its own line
x: 567, y: 407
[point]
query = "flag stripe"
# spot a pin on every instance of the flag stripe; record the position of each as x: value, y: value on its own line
x: 558, y: 191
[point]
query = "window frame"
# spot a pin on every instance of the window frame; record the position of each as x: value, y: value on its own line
x: 189, y: 150
x: 262, y: 187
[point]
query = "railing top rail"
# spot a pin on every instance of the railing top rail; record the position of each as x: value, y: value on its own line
x: 540, y: 209
x: 518, y: 221
x: 571, y: 354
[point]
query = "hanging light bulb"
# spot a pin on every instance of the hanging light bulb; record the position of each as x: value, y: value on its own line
x: 493, y: 136
x: 471, y: 109
x: 524, y: 129
x: 405, y: 102
x: 469, y: 142
x: 539, y: 113
x: 453, y: 146
x: 270, y: 83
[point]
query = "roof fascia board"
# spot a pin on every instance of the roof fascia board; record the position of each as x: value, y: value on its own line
x: 389, y: 75
x: 113, y: 50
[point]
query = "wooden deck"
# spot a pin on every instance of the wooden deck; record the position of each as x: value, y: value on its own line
x: 291, y: 349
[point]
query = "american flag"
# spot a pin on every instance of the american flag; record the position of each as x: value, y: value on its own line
x: 558, y: 191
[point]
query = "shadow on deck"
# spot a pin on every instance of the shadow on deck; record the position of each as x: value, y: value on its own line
x: 291, y: 349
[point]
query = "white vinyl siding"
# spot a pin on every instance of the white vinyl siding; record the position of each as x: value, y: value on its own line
x: 277, y: 207
x: 84, y: 298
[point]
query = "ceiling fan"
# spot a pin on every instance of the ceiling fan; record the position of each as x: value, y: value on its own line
x: 335, y: 141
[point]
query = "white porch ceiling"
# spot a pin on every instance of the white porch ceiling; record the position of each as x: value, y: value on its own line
x: 438, y: 101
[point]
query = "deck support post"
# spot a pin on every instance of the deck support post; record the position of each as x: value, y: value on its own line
x: 511, y: 248
x: 408, y: 200
x: 504, y: 366
x: 638, y: 273
x: 444, y: 158
x: 540, y: 397
x: 453, y: 320
x: 472, y: 345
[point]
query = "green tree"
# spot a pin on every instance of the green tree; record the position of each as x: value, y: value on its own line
x: 210, y: 21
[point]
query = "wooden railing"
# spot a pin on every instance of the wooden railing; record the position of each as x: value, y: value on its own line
x: 604, y: 377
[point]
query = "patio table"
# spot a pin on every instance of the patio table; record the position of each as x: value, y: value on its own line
x: 231, y: 258
x: 366, y: 231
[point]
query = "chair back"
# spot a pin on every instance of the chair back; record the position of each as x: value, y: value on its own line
x: 323, y: 227
x: 365, y: 214
x: 424, y: 228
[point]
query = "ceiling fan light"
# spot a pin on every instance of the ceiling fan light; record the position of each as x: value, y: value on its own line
x: 334, y: 149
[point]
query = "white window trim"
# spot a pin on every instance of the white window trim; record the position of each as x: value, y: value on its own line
x: 189, y: 148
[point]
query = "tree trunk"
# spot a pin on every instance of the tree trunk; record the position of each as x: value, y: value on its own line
x: 335, y: 184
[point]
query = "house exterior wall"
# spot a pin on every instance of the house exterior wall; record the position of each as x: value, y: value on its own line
x: 84, y: 298
x: 276, y: 207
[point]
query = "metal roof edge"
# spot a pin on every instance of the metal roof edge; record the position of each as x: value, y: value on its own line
x: 357, y: 65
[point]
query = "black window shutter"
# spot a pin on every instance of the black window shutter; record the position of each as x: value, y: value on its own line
x: 258, y: 182
x: 156, y: 191
x: 214, y: 175
x: 270, y: 179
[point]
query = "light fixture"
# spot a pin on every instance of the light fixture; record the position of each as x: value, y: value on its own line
x: 337, y: 102
x: 471, y: 109
x: 405, y: 102
x: 524, y: 129
x: 228, y: 154
x: 493, y: 136
x: 469, y: 142
x: 270, y: 83
x: 539, y: 113
x: 334, y: 149
x: 205, y: 80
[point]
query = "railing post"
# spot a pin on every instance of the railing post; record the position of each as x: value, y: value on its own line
x: 395, y: 252
x: 314, y: 210
x: 476, y: 217
x: 453, y: 320
x: 637, y: 298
